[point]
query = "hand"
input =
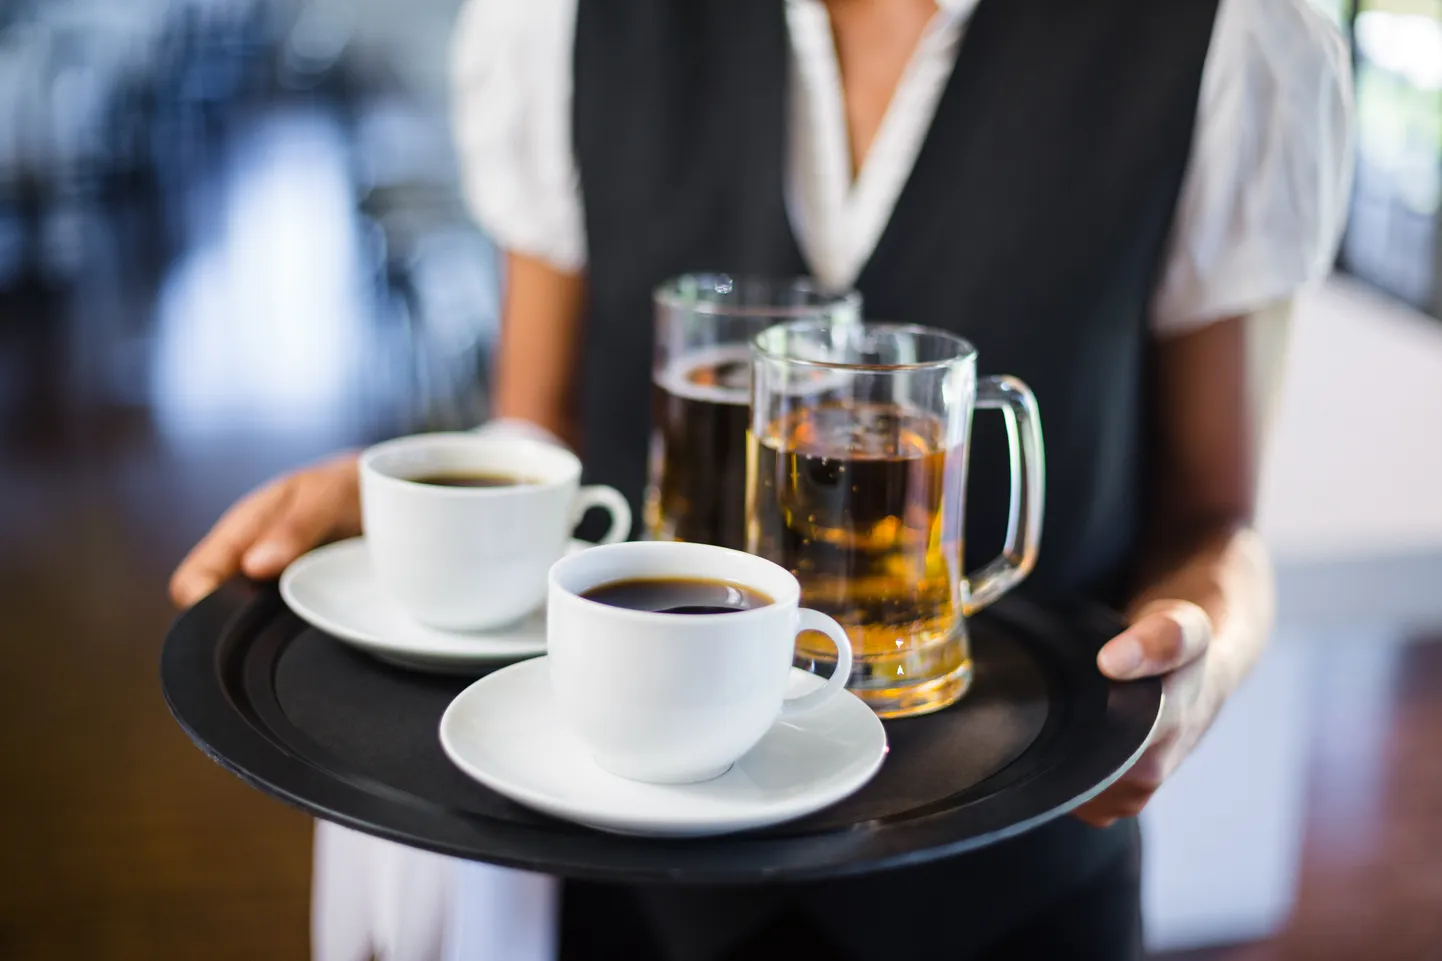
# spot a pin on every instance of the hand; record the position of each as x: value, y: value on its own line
x: 272, y: 526
x: 1172, y: 639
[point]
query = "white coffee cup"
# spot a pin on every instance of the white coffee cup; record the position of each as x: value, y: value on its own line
x: 677, y: 698
x: 472, y: 558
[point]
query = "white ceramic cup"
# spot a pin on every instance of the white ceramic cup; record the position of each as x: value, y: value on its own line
x: 677, y: 698
x: 472, y: 558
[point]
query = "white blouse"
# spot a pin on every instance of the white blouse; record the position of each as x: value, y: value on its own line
x: 1259, y: 216
x: 1260, y: 212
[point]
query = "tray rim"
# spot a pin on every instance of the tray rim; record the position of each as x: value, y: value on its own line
x: 208, y: 714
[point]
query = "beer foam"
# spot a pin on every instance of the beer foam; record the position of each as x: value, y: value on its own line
x: 678, y: 377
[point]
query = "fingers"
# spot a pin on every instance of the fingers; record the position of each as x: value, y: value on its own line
x: 1121, y: 800
x: 1168, y: 637
x: 1130, y: 794
x: 1186, y: 712
x: 268, y: 529
x: 1096, y: 819
x: 1165, y: 636
x: 322, y: 504
x: 218, y: 554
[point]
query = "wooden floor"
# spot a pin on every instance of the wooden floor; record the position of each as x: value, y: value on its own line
x: 189, y: 362
x: 1371, y: 873
x: 121, y: 839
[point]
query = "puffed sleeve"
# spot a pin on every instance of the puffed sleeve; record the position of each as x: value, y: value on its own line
x: 1265, y: 196
x: 511, y: 81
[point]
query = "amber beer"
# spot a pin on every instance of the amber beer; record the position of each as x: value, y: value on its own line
x: 864, y: 501
x: 700, y: 411
x: 856, y: 468
x: 701, y: 379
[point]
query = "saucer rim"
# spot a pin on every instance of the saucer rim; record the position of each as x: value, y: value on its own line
x: 377, y: 645
x: 678, y: 826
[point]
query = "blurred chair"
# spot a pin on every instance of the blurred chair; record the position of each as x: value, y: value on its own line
x: 438, y: 269
x: 438, y: 273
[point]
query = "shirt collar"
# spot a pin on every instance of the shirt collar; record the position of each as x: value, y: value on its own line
x: 954, y: 9
x: 957, y: 9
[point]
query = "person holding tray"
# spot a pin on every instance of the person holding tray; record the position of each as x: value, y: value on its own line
x: 1114, y: 200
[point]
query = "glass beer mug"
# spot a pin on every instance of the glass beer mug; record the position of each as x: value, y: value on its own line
x: 856, y: 475
x: 701, y: 391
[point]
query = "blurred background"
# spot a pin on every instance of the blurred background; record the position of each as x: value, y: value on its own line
x: 231, y: 240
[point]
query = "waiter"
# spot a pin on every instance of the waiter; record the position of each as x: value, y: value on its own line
x: 1108, y: 197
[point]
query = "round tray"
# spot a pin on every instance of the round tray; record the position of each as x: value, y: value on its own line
x: 305, y: 718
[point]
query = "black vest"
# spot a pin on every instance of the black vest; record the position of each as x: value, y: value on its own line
x: 1033, y: 224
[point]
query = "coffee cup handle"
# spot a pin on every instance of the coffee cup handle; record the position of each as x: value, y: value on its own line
x: 612, y: 502
x: 810, y: 620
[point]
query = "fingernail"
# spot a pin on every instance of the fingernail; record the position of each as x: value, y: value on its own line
x: 265, y: 557
x: 1121, y: 657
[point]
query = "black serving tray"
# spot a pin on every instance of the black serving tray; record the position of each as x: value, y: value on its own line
x: 302, y: 717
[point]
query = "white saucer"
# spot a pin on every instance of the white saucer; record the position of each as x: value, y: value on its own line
x: 334, y: 589
x: 504, y: 732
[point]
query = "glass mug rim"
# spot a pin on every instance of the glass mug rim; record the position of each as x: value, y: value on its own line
x: 671, y: 295
x: 763, y: 346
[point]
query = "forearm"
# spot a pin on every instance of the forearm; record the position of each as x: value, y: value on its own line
x: 534, y: 366
x: 1214, y: 388
x: 1203, y: 603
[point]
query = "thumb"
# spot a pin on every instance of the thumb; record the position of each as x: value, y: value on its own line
x: 303, y: 524
x: 1166, y: 635
x: 280, y: 545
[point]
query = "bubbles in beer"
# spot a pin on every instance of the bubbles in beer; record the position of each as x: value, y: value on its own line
x: 698, y: 461
x: 863, y: 502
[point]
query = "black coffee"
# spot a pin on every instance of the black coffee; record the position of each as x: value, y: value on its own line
x: 678, y: 595
x: 471, y: 479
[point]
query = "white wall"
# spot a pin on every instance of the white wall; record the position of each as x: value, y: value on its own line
x: 1354, y: 466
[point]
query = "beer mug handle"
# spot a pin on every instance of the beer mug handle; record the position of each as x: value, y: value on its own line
x: 809, y: 620
x: 612, y: 502
x: 1028, y: 490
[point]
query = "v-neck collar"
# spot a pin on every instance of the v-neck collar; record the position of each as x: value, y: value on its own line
x: 839, y: 218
